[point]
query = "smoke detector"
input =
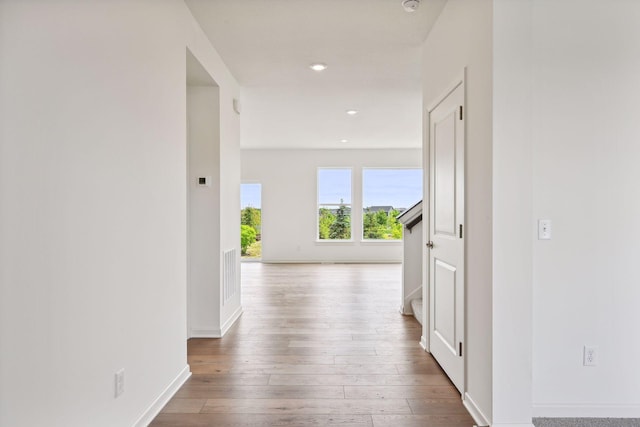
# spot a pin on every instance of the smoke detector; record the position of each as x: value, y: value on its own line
x: 410, y: 5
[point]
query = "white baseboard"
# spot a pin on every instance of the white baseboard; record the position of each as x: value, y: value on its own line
x: 406, y: 310
x: 342, y: 261
x: 512, y: 425
x: 157, y: 405
x: 481, y: 419
x: 216, y: 333
x: 573, y: 410
x: 205, y: 333
x: 231, y: 320
x: 423, y: 344
x: 478, y: 416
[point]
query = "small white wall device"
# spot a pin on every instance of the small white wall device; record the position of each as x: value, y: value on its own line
x: 410, y: 5
x: 544, y: 229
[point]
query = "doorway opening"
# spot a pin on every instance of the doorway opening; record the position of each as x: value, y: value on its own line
x: 251, y: 221
x: 203, y: 200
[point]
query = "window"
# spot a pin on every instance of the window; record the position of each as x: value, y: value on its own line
x: 386, y: 193
x: 334, y: 204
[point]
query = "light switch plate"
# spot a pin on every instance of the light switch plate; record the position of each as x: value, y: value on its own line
x: 544, y: 229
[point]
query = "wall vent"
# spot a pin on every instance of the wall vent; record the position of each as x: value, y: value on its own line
x: 229, y: 275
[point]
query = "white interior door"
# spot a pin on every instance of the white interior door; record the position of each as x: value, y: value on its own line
x: 446, y: 243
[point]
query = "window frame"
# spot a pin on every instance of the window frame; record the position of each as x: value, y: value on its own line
x: 319, y: 205
x: 362, y: 200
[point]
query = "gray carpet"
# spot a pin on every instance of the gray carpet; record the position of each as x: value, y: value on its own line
x: 586, y: 422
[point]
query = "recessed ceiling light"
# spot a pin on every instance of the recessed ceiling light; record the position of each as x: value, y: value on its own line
x: 410, y: 5
x: 344, y: 140
x: 318, y: 66
x: 352, y: 112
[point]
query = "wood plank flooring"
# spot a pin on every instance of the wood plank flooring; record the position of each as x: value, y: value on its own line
x: 317, y: 345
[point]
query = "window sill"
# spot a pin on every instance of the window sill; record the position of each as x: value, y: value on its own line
x: 375, y: 242
x: 334, y: 241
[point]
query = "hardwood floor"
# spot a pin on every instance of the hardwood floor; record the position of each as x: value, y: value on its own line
x: 317, y: 345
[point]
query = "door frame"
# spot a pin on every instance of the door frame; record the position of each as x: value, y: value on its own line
x: 460, y: 80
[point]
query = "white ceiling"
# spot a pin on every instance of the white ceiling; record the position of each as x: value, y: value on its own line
x: 371, y: 47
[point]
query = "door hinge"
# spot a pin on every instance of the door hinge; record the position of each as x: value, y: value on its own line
x: 460, y: 349
x: 461, y: 231
x: 461, y: 112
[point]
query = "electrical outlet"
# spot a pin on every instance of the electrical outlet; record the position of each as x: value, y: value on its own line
x: 590, y: 356
x: 119, y: 382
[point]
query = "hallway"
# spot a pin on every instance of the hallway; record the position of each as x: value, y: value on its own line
x: 319, y: 345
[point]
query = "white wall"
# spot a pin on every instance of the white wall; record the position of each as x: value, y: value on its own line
x: 462, y: 37
x: 585, y: 168
x: 203, y: 140
x: 92, y: 205
x: 209, y: 314
x: 512, y: 212
x: 564, y: 147
x: 289, y: 202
